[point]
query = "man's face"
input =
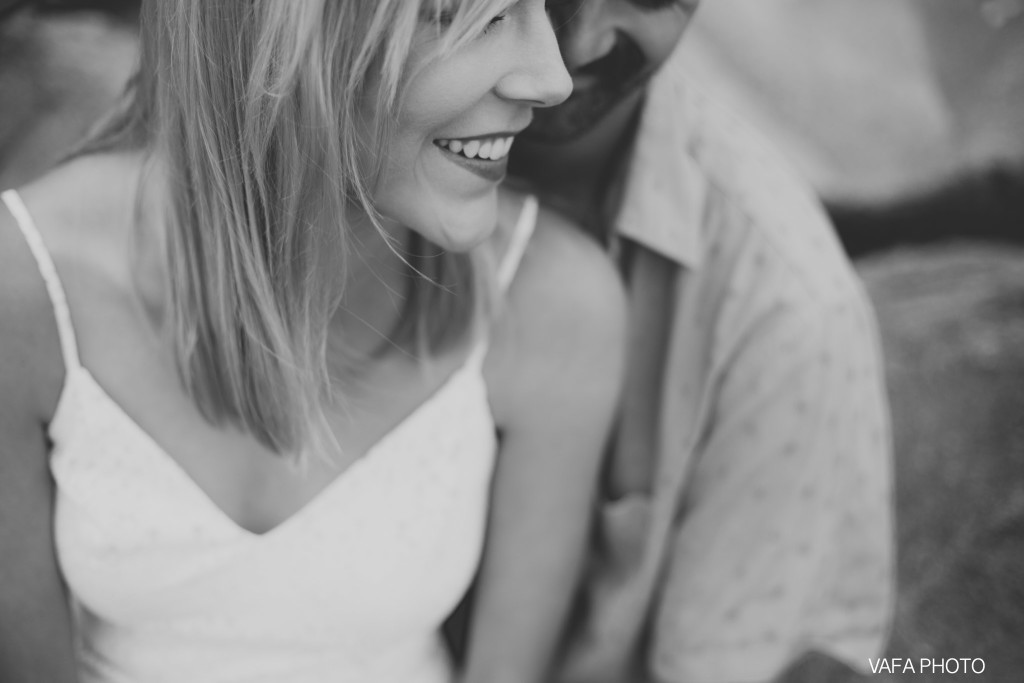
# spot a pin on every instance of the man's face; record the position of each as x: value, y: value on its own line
x: 611, y: 48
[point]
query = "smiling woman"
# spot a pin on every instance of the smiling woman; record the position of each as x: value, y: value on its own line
x: 291, y: 349
x: 425, y: 181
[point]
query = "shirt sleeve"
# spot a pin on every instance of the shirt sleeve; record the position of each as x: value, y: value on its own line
x: 784, y: 542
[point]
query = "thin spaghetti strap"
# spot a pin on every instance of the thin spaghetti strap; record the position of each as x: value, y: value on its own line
x: 65, y: 330
x: 517, y: 243
x: 507, y: 268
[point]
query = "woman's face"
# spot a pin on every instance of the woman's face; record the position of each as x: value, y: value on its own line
x: 459, y: 116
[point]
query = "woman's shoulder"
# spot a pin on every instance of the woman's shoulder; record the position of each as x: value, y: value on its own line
x: 70, y: 210
x: 83, y: 205
x: 560, y: 342
x: 567, y: 299
x: 566, y: 270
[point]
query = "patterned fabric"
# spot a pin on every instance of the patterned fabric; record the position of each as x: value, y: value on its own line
x: 352, y: 587
x: 755, y: 413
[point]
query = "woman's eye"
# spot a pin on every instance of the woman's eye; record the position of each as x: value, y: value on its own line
x: 444, y: 19
x: 495, y: 21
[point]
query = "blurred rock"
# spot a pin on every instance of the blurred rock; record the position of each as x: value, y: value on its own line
x: 952, y: 321
x: 976, y: 204
x: 842, y: 86
x: 976, y: 48
x: 952, y: 306
x: 874, y: 100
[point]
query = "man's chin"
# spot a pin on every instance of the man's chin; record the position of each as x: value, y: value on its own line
x: 578, y: 115
x: 571, y: 120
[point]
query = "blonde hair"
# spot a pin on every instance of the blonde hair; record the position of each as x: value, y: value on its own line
x: 252, y: 107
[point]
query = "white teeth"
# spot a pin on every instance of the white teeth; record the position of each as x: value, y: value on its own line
x: 506, y: 145
x: 495, y: 149
x: 492, y: 149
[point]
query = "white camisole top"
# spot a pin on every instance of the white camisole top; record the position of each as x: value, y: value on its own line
x: 352, y: 588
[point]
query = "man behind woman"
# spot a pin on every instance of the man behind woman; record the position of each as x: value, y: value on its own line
x: 259, y: 336
x: 747, y: 513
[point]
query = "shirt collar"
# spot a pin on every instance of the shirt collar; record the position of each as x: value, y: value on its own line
x: 665, y: 189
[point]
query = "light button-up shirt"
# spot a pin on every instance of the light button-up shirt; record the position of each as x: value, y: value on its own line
x: 755, y: 420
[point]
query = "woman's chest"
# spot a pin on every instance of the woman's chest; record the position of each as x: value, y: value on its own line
x: 139, y: 537
x: 136, y: 380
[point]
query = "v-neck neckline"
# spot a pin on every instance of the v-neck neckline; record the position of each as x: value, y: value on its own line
x: 374, y: 453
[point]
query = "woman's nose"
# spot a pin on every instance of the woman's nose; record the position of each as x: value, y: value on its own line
x: 540, y: 78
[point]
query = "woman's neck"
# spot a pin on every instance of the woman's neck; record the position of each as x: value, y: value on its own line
x: 375, y: 286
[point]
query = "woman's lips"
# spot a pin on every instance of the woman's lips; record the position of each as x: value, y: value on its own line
x: 492, y: 170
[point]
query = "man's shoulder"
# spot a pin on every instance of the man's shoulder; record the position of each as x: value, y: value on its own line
x: 732, y: 155
x: 756, y: 206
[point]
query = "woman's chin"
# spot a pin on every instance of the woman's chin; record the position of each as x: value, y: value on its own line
x: 460, y: 233
x: 463, y: 241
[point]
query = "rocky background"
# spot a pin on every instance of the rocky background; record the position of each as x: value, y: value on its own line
x: 907, y: 116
